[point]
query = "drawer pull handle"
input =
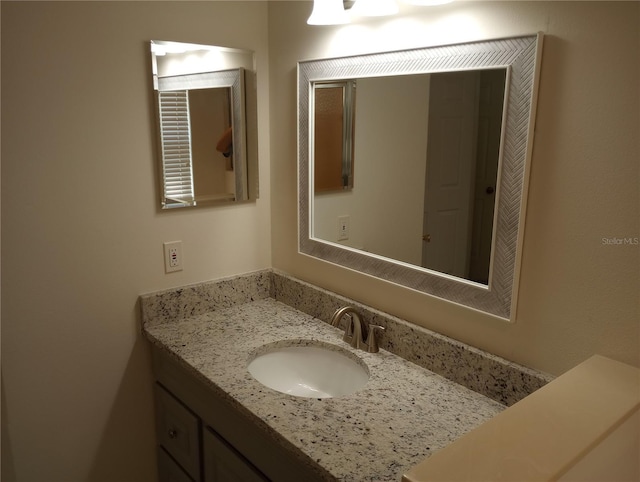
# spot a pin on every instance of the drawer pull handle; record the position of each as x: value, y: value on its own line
x: 172, y: 433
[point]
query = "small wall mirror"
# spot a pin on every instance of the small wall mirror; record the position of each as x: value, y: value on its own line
x: 207, y: 123
x: 437, y: 149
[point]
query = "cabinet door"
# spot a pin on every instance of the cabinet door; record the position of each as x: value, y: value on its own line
x: 178, y: 432
x: 223, y: 463
x: 168, y: 470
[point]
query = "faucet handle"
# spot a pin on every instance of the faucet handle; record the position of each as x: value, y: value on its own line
x: 372, y: 341
x: 348, y: 331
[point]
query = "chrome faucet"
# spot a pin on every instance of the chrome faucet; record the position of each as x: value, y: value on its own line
x: 353, y: 333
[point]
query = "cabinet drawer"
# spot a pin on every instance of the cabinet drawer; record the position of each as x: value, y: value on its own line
x: 223, y: 463
x: 178, y: 432
x: 168, y: 470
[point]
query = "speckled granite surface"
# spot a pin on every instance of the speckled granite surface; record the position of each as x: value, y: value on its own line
x: 175, y: 304
x: 401, y: 416
x: 425, y: 394
x: 494, y: 377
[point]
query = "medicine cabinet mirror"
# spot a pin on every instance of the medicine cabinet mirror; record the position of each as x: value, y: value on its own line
x: 437, y: 149
x: 207, y: 123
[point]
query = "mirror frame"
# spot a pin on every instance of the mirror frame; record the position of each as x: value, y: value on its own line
x: 233, y: 79
x: 521, y: 57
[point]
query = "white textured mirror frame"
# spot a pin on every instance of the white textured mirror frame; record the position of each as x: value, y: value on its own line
x: 522, y: 56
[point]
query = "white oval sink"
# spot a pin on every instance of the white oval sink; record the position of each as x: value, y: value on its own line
x: 312, y: 371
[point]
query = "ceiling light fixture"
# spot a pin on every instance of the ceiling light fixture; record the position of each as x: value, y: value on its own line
x: 328, y: 12
x: 375, y: 8
x: 428, y: 3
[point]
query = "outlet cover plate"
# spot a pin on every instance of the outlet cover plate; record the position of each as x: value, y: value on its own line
x: 172, y: 256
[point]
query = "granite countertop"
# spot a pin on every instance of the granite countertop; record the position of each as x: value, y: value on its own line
x: 402, y: 415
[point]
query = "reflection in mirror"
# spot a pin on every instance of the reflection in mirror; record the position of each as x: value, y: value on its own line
x: 442, y: 141
x: 207, y: 123
x: 334, y: 109
x: 212, y: 155
x: 429, y: 147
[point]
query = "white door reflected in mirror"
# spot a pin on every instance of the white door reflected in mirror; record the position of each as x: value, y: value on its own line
x: 423, y: 157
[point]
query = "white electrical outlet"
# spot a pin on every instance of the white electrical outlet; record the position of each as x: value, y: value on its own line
x: 173, y: 256
x: 343, y: 228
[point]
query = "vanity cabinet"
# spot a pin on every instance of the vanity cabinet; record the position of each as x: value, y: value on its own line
x: 224, y: 463
x: 178, y: 433
x: 203, y: 437
x: 190, y: 451
x: 169, y: 470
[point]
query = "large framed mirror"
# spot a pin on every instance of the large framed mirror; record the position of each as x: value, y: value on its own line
x: 441, y: 145
x: 207, y: 123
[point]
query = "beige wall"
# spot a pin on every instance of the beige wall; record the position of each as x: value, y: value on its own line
x: 577, y: 296
x: 389, y: 176
x: 82, y: 232
x: 392, y: 170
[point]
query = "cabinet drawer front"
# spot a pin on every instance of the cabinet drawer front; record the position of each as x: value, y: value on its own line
x: 168, y: 470
x: 178, y: 431
x: 222, y: 463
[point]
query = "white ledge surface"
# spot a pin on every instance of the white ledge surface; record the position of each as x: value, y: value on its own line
x: 550, y: 434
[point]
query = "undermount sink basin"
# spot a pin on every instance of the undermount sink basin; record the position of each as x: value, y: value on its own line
x: 309, y: 370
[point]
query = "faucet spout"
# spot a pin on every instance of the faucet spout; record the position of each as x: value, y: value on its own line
x: 353, y: 332
x: 339, y: 313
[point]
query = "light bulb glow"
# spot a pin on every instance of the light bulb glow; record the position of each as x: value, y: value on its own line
x: 429, y: 3
x: 375, y: 8
x: 328, y: 12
